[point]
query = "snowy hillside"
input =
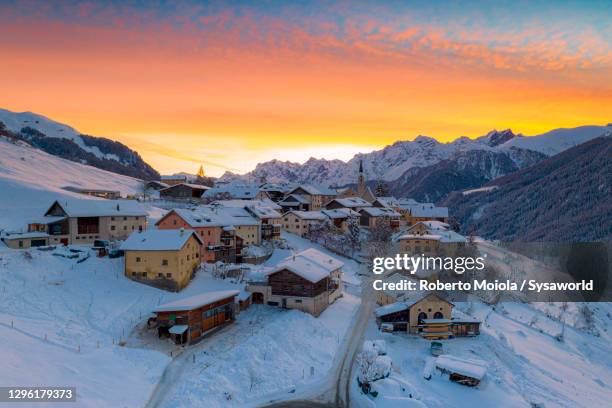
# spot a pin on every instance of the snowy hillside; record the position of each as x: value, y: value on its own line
x: 391, y: 162
x: 31, y: 179
x: 64, y: 141
x: 528, y: 363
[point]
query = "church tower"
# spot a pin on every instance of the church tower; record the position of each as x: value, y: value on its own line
x: 361, y: 184
x: 201, y: 173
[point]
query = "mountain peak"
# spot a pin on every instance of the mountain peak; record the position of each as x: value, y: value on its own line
x: 496, y: 137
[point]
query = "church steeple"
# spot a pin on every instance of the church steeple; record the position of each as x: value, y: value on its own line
x: 201, y: 173
x: 361, y: 186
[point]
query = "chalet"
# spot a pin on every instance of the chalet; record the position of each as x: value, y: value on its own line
x: 409, y: 315
x: 352, y: 203
x: 183, y: 191
x: 425, y: 212
x: 308, y: 281
x: 299, y: 222
x: 167, y: 259
x: 295, y: 202
x: 187, y: 320
x: 428, y: 316
x: 107, y: 194
x: 316, y: 195
x: 387, y: 202
x: 174, y: 179
x: 340, y: 217
x: 430, y: 238
x: 82, y: 221
x: 24, y: 240
x: 155, y: 185
x: 370, y: 216
x: 234, y: 191
x: 276, y: 192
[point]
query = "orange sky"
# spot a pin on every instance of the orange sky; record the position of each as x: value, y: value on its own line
x: 231, y: 97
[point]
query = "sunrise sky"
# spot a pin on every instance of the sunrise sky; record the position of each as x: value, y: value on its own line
x: 229, y: 86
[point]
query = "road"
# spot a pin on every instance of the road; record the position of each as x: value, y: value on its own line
x: 333, y: 390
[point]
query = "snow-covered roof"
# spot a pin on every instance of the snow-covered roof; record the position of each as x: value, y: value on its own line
x: 214, y: 216
x: 196, y: 301
x: 24, y: 235
x: 472, y: 368
x: 309, y: 215
x: 296, y: 198
x: 264, y: 202
x: 239, y: 191
x: 432, y: 225
x: 178, y: 329
x: 311, y: 264
x: 315, y: 190
x: 428, y: 210
x: 158, y: 240
x: 391, y: 308
x: 389, y: 202
x: 380, y: 212
x: 350, y: 202
x: 263, y: 212
x: 340, y: 213
x: 417, y: 236
x: 75, y: 207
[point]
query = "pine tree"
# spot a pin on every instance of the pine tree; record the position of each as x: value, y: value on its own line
x: 353, y: 234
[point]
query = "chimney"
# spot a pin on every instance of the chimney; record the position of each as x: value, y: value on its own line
x: 182, y: 231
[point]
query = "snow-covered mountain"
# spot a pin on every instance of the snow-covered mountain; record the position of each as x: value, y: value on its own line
x: 64, y: 141
x: 391, y: 162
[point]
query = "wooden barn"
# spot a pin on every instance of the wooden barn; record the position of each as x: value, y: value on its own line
x: 186, y: 320
x: 183, y: 191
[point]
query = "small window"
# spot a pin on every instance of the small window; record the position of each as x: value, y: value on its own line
x: 160, y: 275
x: 112, y: 227
x: 133, y: 273
x: 174, y: 222
x: 112, y: 218
x: 164, y: 262
x: 136, y: 218
x: 168, y: 275
x: 124, y: 218
x: 298, y: 300
x: 20, y: 244
x: 429, y: 310
x: 137, y: 259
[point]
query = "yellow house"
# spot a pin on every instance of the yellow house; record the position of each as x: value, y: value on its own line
x: 430, y: 238
x: 428, y: 316
x: 166, y: 259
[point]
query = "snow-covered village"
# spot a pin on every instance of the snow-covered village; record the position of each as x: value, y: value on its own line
x: 321, y: 204
x: 179, y: 292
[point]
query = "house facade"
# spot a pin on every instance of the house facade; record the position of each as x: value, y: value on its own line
x: 309, y: 281
x: 431, y: 238
x: 166, y: 259
x: 76, y: 221
x: 183, y: 191
x: 317, y: 196
x: 24, y: 240
x: 299, y: 222
x: 370, y: 216
x: 187, y: 320
x: 413, y: 316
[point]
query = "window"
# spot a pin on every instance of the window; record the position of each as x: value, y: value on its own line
x: 136, y: 218
x: 112, y: 227
x: 164, y: 262
x: 174, y: 222
x: 112, y: 218
x: 187, y: 257
x: 132, y: 228
x: 429, y: 310
x: 137, y: 259
x: 144, y: 274
x: 209, y: 233
x: 77, y: 237
x: 20, y: 244
x: 298, y: 300
x: 168, y: 275
x: 125, y: 227
x: 124, y: 218
x: 133, y: 273
x: 160, y: 275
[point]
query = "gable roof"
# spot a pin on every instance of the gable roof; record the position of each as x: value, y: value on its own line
x: 158, y: 240
x: 380, y: 212
x: 309, y: 215
x: 239, y: 191
x: 196, y: 301
x: 389, y: 202
x: 424, y: 210
x: 75, y: 207
x: 349, y: 202
x: 340, y: 213
x: 295, y: 198
x: 213, y: 216
x: 314, y: 190
x: 311, y: 264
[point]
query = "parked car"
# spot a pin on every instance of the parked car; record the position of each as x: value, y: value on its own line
x: 436, y: 349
